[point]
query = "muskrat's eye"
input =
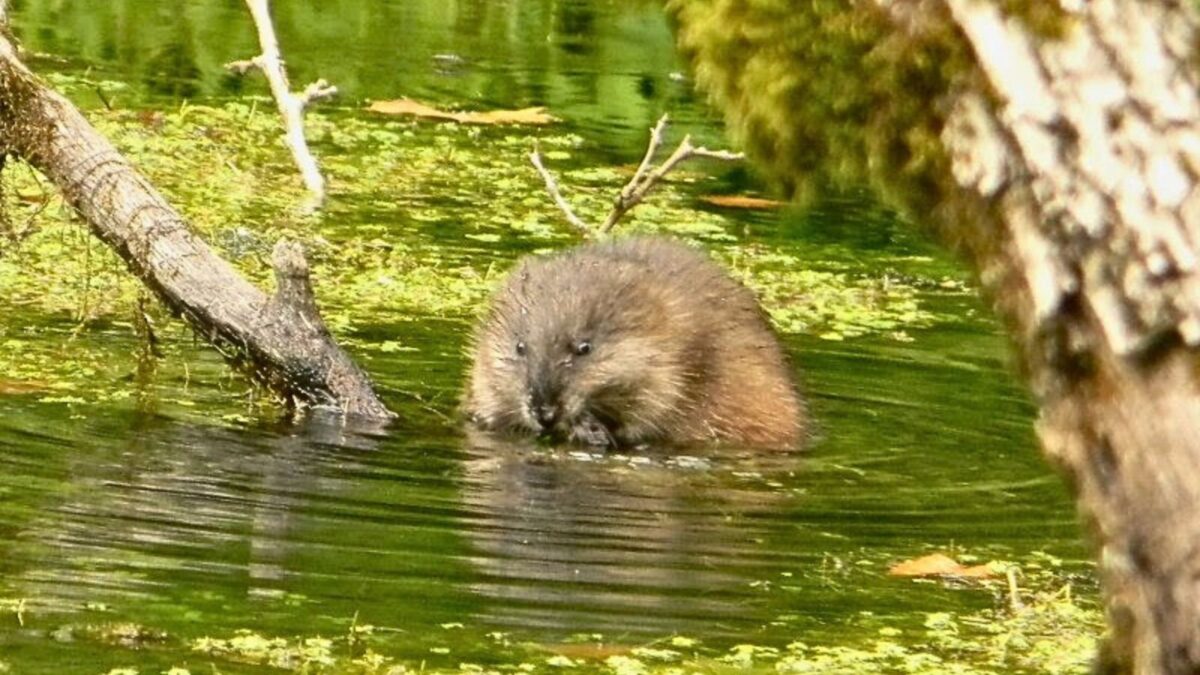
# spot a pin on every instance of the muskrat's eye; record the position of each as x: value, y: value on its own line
x: 583, y: 348
x: 521, y: 348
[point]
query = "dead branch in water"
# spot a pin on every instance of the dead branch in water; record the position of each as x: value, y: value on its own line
x: 556, y: 195
x: 291, y: 105
x: 281, y: 341
x: 645, y: 178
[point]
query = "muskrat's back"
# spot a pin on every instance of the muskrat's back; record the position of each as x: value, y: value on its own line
x: 627, y: 342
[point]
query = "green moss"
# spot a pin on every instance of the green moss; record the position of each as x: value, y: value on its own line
x: 829, y: 92
x: 1047, y: 19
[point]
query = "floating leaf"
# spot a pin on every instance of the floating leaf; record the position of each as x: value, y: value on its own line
x: 8, y: 387
x: 938, y: 565
x: 407, y: 106
x: 741, y: 202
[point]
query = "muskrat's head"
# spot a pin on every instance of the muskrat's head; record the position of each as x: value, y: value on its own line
x: 586, y: 350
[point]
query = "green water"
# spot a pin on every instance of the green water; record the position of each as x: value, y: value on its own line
x: 161, y: 498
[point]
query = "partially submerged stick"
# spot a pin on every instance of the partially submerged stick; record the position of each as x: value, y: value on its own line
x: 552, y: 187
x: 643, y: 181
x: 291, y: 105
x: 281, y: 340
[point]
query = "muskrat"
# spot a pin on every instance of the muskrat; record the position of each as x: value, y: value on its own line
x: 629, y: 342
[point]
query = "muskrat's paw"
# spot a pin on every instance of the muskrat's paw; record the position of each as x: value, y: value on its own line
x: 590, y: 431
x: 481, y: 420
x: 494, y: 422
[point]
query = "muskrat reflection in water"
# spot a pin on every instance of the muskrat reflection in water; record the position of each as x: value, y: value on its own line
x: 634, y: 341
x: 641, y: 544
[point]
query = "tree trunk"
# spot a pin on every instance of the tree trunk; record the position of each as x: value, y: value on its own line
x: 282, y: 340
x: 1094, y: 157
x: 1066, y: 168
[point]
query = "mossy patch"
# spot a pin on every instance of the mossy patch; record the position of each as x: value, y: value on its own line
x: 827, y: 92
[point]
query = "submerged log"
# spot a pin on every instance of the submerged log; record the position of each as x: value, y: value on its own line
x: 281, y: 341
x: 1056, y: 145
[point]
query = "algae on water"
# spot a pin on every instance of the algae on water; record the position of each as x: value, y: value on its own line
x: 423, y: 220
x: 1053, y: 629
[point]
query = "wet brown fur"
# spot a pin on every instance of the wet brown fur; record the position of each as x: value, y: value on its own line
x: 677, y: 352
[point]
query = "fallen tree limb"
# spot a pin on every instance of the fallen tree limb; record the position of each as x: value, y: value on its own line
x: 281, y: 341
x: 291, y: 105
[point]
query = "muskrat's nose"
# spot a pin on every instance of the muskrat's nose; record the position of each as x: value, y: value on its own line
x: 546, y: 415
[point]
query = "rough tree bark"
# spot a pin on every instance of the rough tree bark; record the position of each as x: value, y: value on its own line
x: 281, y: 340
x: 1065, y: 163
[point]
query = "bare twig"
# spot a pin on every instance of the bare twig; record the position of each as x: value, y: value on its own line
x: 1014, y: 594
x: 643, y: 181
x: 656, y: 138
x: 552, y: 188
x: 318, y: 91
x: 291, y: 105
x: 242, y: 67
x: 12, y: 234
